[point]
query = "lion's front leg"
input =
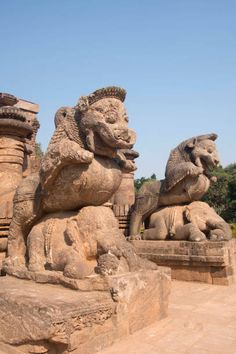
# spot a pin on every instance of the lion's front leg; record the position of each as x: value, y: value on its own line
x: 72, y: 152
x: 61, y: 154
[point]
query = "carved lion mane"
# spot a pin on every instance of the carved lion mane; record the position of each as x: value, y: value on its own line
x: 199, y: 151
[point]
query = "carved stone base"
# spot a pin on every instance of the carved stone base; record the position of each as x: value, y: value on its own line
x: 45, y: 318
x: 208, y: 262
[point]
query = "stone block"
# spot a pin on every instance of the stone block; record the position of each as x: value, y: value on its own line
x: 208, y: 262
x: 41, y: 318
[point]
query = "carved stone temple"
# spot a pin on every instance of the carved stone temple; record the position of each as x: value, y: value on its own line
x: 18, y: 129
x: 73, y: 282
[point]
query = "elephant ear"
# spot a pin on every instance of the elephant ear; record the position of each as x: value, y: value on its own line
x: 71, y: 231
x: 187, y: 214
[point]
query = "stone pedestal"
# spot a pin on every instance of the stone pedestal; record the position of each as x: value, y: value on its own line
x: 208, y: 262
x: 42, y: 318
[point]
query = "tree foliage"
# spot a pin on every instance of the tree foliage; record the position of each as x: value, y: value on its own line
x: 38, y: 150
x: 222, y: 194
x: 140, y: 181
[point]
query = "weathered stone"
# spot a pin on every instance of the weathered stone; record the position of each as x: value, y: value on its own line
x: 124, y: 198
x: 43, y: 317
x: 194, y: 222
x: 82, y: 166
x: 209, y: 262
x: 64, y: 235
x: 186, y: 179
x: 18, y: 129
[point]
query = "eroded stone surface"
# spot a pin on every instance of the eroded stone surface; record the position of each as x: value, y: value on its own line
x: 194, y: 222
x: 59, y: 319
x: 62, y: 232
x: 204, y: 323
x: 18, y: 128
x: 187, y: 179
x: 81, y: 169
x: 209, y: 262
x: 124, y: 198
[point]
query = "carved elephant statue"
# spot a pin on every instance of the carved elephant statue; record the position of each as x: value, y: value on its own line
x: 81, y: 243
x: 196, y: 221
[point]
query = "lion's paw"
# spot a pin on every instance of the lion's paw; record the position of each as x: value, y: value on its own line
x: 85, y: 156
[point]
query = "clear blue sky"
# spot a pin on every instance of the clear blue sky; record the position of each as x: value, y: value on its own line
x: 175, y: 58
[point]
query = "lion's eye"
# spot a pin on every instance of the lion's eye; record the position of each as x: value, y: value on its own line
x: 99, y: 109
x: 111, y: 119
x: 210, y: 151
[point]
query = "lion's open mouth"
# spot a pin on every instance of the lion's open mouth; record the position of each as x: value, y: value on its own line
x: 117, y: 138
x: 208, y: 166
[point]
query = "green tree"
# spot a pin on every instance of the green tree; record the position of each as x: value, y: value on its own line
x: 140, y: 181
x: 222, y: 194
x: 230, y: 213
x: 38, y: 150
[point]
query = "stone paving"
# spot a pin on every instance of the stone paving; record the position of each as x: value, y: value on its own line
x: 202, y: 320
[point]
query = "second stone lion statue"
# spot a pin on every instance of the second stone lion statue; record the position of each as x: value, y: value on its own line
x: 196, y: 221
x: 186, y: 179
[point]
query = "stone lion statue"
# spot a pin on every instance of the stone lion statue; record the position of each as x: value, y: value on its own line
x: 196, y: 221
x: 186, y: 179
x: 82, y: 166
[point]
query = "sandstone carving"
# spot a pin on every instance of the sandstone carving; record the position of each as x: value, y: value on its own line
x: 41, y: 318
x: 124, y: 198
x: 18, y: 127
x: 196, y: 221
x: 64, y: 232
x: 79, y: 243
x: 82, y: 168
x: 186, y: 179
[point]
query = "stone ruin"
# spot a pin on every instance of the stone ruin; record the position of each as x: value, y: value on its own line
x: 18, y: 129
x: 73, y: 282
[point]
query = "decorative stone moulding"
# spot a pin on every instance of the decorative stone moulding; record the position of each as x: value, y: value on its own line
x: 16, y: 130
x: 207, y: 262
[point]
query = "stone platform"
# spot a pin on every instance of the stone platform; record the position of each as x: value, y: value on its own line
x: 208, y: 262
x: 201, y: 320
x: 46, y: 318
